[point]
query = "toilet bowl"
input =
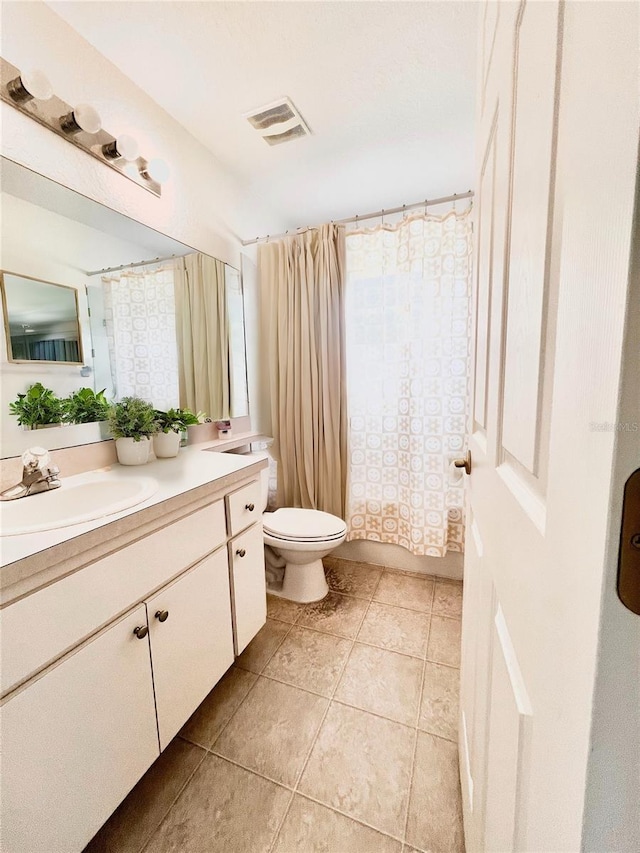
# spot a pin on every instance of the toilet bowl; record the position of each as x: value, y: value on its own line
x: 296, y: 540
x: 299, y: 539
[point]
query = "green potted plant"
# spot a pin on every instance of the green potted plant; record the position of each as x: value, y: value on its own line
x: 132, y: 422
x: 86, y: 406
x: 166, y: 441
x: 38, y: 407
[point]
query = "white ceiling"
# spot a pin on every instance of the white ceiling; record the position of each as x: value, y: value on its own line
x: 386, y: 87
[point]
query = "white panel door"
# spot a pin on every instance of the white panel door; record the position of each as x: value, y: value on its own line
x: 556, y: 158
x: 249, y: 586
x: 76, y: 741
x: 191, y: 640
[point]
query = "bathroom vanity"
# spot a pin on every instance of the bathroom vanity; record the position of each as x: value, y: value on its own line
x: 113, y: 632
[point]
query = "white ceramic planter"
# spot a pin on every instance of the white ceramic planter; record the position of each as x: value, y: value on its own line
x: 132, y: 452
x: 166, y: 444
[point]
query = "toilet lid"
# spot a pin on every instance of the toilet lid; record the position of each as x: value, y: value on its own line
x: 303, y: 525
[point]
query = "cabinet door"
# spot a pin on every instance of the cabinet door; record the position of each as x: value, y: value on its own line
x: 75, y: 741
x: 191, y: 640
x: 246, y: 554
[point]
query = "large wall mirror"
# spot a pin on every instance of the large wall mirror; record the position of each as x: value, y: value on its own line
x: 94, y: 299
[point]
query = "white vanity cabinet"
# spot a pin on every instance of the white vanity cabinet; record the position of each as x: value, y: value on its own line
x: 191, y: 641
x: 109, y: 662
x: 246, y: 561
x: 76, y: 740
x: 246, y: 558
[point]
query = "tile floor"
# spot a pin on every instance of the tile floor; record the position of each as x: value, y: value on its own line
x: 334, y: 732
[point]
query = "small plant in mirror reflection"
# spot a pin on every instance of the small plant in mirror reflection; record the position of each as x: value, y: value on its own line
x: 39, y: 406
x: 175, y: 420
x: 86, y: 406
x: 133, y: 418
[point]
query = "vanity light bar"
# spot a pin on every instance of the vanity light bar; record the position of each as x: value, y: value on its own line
x: 81, y: 125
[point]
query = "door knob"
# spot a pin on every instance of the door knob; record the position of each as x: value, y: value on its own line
x: 162, y: 615
x: 241, y: 552
x: 629, y: 554
x: 250, y: 507
x: 141, y: 631
x: 465, y: 462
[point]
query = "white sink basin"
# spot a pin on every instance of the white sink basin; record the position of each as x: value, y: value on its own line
x: 84, y: 498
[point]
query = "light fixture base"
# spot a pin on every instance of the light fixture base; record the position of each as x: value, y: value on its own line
x: 52, y: 112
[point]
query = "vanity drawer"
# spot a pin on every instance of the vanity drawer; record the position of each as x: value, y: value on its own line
x: 243, y: 507
x: 39, y: 628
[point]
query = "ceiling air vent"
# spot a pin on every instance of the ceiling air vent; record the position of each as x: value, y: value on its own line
x: 278, y: 122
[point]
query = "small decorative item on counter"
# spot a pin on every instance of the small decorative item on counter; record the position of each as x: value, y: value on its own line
x: 224, y: 429
x: 171, y: 425
x: 86, y: 406
x: 132, y: 422
x: 38, y: 407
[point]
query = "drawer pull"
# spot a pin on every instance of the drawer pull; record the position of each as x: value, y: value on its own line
x: 141, y: 631
x: 162, y: 615
x: 250, y: 507
x: 241, y: 552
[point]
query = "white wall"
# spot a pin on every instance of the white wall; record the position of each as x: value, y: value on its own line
x: 201, y: 204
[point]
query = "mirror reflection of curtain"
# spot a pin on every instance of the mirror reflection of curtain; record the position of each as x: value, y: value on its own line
x: 140, y: 318
x: 408, y: 362
x: 203, y: 335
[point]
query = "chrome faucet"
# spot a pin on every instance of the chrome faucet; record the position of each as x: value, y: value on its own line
x: 39, y: 474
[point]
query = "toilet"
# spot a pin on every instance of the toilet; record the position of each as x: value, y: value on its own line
x: 295, y: 541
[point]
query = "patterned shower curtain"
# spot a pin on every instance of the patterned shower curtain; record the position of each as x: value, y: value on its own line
x: 408, y: 309
x: 140, y: 318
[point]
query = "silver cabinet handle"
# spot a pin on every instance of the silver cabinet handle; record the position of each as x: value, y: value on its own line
x: 141, y: 631
x: 162, y: 615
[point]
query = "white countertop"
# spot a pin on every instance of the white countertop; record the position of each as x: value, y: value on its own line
x: 192, y: 467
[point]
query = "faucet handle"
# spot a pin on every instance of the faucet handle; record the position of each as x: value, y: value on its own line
x: 35, y: 458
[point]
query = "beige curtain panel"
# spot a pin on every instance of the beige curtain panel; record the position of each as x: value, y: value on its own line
x: 302, y: 294
x: 203, y: 335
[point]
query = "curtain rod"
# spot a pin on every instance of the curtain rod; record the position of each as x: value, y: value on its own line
x: 137, y: 264
x: 376, y: 215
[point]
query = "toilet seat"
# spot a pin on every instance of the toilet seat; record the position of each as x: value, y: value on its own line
x: 303, y: 525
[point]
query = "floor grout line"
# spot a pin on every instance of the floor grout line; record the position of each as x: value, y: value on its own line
x: 417, y: 734
x: 350, y: 817
x: 173, y: 802
x: 255, y: 772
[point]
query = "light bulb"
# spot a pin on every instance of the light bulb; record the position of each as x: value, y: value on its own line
x: 124, y: 146
x: 30, y: 85
x: 157, y: 170
x: 82, y: 117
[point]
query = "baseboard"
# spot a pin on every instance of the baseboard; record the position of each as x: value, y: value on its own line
x: 396, y: 557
